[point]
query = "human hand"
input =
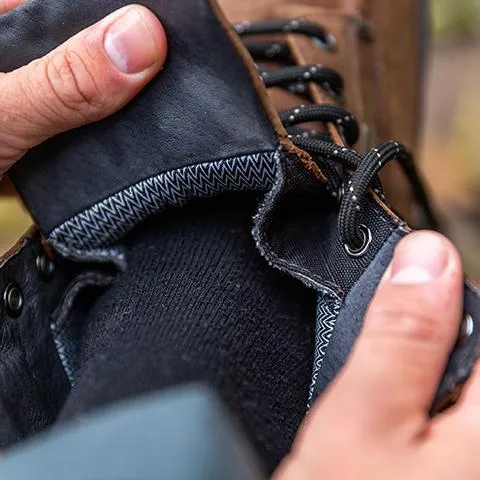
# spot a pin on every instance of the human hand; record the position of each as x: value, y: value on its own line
x: 373, y: 421
x: 88, y: 78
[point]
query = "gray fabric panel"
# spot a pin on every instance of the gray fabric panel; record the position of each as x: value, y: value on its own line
x: 350, y: 318
x: 202, y: 107
x: 181, y: 435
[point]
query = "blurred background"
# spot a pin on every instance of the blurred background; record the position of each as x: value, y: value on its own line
x: 450, y: 157
x: 451, y: 138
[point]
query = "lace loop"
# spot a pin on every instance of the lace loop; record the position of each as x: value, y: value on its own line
x: 294, y: 76
x: 313, y: 30
x: 346, y: 123
x: 357, y: 174
x: 268, y: 50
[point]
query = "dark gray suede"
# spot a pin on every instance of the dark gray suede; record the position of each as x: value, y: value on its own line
x: 465, y: 354
x: 202, y: 107
x: 350, y: 319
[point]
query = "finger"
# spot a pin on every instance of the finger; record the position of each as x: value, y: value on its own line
x: 91, y: 76
x: 410, y: 327
x: 7, y: 5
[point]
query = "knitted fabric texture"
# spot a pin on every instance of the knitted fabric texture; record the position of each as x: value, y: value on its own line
x: 199, y: 304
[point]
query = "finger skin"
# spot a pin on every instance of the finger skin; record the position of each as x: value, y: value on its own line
x: 401, y: 352
x: 373, y: 420
x: 76, y: 84
x: 7, y: 5
x: 408, y: 333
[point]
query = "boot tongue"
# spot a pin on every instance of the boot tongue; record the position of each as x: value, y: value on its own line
x: 200, y: 114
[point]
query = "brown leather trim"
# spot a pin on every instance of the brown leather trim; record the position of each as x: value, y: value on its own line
x: 18, y: 246
x: 450, y: 399
x: 272, y: 113
x: 305, y: 158
x: 270, y: 110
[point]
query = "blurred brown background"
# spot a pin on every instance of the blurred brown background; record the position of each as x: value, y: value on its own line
x: 450, y: 157
x: 451, y: 142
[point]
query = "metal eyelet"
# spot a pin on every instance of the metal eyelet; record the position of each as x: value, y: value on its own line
x: 45, y: 266
x: 367, y: 239
x: 13, y: 300
x: 466, y: 329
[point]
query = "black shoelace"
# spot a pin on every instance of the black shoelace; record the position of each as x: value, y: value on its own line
x: 350, y: 175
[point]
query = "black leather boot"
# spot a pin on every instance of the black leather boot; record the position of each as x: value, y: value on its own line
x: 286, y: 227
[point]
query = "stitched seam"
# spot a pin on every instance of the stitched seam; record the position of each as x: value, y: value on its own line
x: 310, y: 279
x: 325, y: 321
x: 111, y: 218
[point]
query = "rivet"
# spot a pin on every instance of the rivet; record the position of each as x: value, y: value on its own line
x: 13, y: 300
x: 291, y: 118
x: 307, y: 75
x: 466, y: 329
x: 45, y: 266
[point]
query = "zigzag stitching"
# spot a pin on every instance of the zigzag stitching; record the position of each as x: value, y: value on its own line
x: 111, y: 218
x: 327, y: 312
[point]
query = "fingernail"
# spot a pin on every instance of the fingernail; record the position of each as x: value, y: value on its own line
x: 419, y: 258
x: 132, y: 41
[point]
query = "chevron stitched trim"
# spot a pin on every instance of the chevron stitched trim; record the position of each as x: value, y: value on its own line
x: 66, y: 352
x: 111, y: 218
x: 327, y: 312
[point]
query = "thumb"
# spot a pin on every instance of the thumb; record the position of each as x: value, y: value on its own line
x: 409, y: 330
x: 89, y: 77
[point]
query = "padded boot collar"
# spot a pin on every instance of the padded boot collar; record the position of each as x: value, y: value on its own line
x: 87, y: 187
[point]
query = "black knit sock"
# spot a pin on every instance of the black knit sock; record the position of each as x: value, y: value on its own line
x: 199, y: 303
